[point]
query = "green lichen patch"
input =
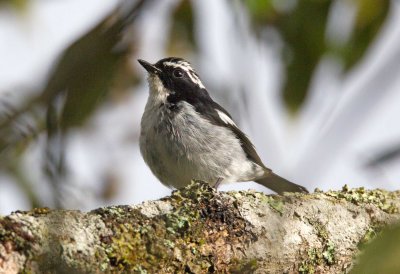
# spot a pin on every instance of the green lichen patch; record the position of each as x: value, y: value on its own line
x: 371, y: 233
x: 276, y: 202
x: 313, y: 260
x: 329, y: 253
x: 378, y: 197
x: 320, y: 229
x: 319, y: 257
x: 243, y: 266
x: 198, y: 235
x: 368, y: 236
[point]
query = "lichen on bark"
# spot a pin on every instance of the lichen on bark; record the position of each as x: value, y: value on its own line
x: 201, y: 230
x: 199, y: 233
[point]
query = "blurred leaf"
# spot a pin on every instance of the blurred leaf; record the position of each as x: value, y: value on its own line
x: 81, y: 80
x: 77, y: 85
x: 18, y: 127
x: 302, y: 25
x: 370, y: 18
x: 303, y: 30
x: 18, y: 4
x: 125, y: 77
x: 85, y: 72
x: 387, y: 155
x: 262, y: 12
x: 110, y: 186
x: 381, y: 255
x: 23, y: 181
x: 181, y: 37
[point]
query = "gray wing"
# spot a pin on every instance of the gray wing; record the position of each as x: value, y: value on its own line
x: 213, y: 114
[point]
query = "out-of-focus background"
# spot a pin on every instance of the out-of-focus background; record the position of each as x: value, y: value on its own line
x: 315, y: 84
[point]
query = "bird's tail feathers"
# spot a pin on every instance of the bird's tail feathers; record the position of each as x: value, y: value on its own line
x: 280, y: 185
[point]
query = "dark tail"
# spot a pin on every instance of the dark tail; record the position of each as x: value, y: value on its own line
x: 280, y: 185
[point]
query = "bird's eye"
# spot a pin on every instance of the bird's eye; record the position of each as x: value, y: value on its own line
x: 178, y: 73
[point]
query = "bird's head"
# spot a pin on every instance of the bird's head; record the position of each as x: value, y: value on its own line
x: 172, y: 76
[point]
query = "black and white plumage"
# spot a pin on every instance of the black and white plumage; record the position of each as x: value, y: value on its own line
x: 185, y: 135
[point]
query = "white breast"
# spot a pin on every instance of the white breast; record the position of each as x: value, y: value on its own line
x: 180, y: 146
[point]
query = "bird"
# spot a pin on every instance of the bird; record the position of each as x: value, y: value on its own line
x: 185, y: 135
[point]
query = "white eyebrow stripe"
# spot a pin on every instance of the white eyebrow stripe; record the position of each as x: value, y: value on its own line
x: 225, y: 118
x: 189, y: 71
x: 195, y: 79
x: 171, y: 64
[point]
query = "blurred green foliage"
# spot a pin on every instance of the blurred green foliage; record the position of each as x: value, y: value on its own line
x: 382, y: 255
x: 181, y: 37
x: 86, y: 80
x: 81, y: 78
x: 370, y: 16
x: 302, y: 26
x: 89, y: 68
x: 18, y: 4
x: 303, y: 30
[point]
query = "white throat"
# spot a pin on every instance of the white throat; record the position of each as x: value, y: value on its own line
x: 158, y: 93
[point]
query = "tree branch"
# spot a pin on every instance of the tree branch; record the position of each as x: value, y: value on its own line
x: 200, y: 230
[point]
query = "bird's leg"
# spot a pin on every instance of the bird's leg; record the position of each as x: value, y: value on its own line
x: 218, y: 182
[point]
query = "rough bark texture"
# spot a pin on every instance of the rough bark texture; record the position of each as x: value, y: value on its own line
x: 199, y: 230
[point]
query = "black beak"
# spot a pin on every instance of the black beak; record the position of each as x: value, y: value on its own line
x: 149, y: 67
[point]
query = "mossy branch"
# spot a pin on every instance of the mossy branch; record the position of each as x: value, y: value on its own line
x: 200, y: 230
